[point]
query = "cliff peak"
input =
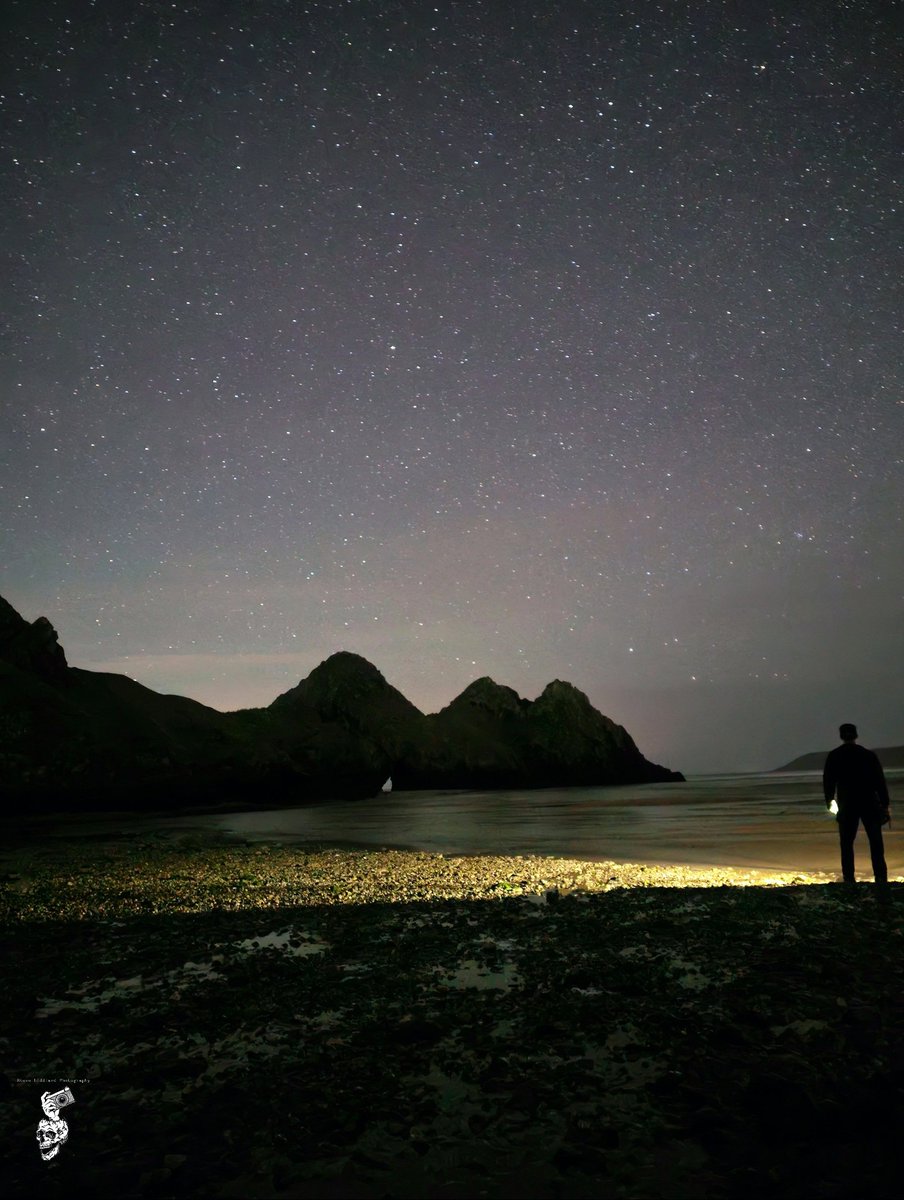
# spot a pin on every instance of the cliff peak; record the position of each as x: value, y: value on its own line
x: 31, y: 647
x: 485, y: 693
x: 561, y: 691
x: 343, y: 686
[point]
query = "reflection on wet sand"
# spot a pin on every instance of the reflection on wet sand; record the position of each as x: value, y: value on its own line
x: 772, y: 821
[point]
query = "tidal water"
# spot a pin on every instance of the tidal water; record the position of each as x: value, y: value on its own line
x: 772, y: 821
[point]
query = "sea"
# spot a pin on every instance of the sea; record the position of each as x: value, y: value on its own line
x: 776, y: 821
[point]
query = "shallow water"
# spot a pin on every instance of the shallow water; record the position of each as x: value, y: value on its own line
x: 772, y: 821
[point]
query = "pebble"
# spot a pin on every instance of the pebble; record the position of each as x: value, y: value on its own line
x: 114, y: 878
x: 388, y: 875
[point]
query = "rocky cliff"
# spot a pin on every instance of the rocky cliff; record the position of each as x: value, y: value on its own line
x: 33, y: 648
x: 348, y: 691
x: 490, y: 737
x: 71, y: 738
x: 91, y: 740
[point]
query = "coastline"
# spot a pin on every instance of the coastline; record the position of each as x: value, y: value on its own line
x: 85, y: 844
x: 438, y: 1028
x: 108, y: 876
x: 743, y: 828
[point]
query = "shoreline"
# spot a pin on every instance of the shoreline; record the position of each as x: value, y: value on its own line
x: 765, y: 838
x: 444, y: 1026
x: 58, y: 839
x: 61, y: 841
x: 110, y: 877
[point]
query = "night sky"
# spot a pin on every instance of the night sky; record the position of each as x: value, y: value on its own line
x: 532, y: 340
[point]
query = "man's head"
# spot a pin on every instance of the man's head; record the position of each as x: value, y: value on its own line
x: 847, y: 733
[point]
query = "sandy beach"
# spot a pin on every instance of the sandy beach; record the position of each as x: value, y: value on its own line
x: 262, y: 1020
x: 774, y: 823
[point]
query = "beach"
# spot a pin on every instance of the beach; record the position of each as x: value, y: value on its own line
x: 243, y: 1018
x: 768, y: 822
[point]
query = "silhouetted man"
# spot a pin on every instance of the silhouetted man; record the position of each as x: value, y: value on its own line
x: 855, y: 774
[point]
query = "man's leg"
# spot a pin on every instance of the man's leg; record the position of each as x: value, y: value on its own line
x: 847, y: 831
x: 876, y: 848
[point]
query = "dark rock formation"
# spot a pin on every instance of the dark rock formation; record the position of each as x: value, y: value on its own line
x: 91, y: 740
x: 350, y: 692
x: 87, y: 740
x: 489, y: 737
x: 474, y: 742
x: 34, y: 648
x: 574, y: 744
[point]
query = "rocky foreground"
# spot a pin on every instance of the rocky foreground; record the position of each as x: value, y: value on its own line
x: 247, y: 1020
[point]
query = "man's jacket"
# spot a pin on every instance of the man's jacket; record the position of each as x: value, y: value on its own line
x: 856, y: 775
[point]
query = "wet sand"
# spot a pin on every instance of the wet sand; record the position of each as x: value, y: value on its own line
x: 366, y: 1025
x: 451, y: 1026
x: 761, y: 822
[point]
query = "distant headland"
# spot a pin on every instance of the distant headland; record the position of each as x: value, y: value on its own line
x: 891, y: 758
x: 77, y: 739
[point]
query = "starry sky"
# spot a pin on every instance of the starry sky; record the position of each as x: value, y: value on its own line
x: 532, y: 340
